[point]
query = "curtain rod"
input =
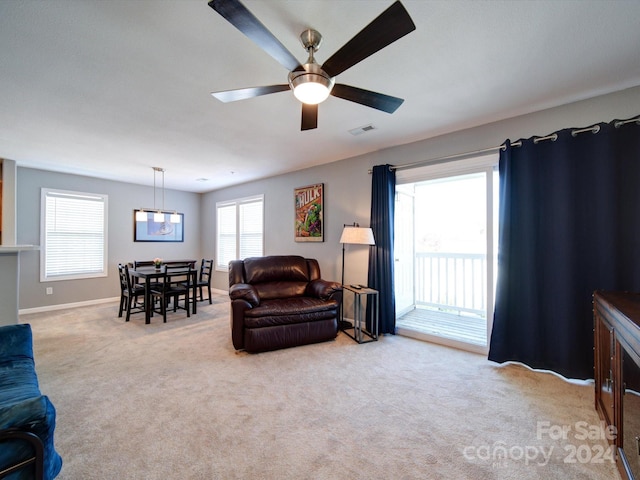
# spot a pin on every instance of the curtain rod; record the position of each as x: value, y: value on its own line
x: 448, y: 158
x: 458, y: 156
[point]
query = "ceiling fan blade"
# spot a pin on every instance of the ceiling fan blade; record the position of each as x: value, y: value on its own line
x: 309, y: 117
x: 379, y: 101
x: 391, y: 25
x: 241, y: 18
x: 244, y: 93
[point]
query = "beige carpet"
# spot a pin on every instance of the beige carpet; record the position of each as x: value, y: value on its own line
x: 175, y: 401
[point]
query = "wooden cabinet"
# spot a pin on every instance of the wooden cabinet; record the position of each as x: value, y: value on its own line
x: 617, y: 373
x: 605, y: 364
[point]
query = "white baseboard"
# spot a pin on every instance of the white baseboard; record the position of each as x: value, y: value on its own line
x: 63, y: 306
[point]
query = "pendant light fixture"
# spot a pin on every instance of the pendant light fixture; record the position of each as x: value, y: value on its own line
x: 159, y: 214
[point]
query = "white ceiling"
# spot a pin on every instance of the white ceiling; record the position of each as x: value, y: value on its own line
x: 112, y: 88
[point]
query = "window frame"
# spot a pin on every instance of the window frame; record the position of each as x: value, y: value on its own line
x: 103, y: 199
x: 236, y: 204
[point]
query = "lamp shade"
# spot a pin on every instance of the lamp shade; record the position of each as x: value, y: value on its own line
x: 357, y: 235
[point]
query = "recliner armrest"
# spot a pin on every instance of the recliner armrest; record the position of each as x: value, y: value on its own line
x: 244, y: 291
x: 324, y: 289
x: 28, y: 413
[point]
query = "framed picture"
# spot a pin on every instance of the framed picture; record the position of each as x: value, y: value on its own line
x: 152, y: 231
x: 309, y: 205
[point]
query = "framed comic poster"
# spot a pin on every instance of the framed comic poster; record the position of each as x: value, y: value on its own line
x: 309, y: 205
x: 164, y: 231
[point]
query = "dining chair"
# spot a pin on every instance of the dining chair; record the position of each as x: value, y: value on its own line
x: 204, y: 279
x: 142, y: 263
x: 176, y: 283
x: 130, y: 293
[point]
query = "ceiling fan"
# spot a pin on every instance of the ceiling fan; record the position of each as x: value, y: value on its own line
x: 310, y: 82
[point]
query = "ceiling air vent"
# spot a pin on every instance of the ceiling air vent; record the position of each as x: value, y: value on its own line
x: 360, y: 130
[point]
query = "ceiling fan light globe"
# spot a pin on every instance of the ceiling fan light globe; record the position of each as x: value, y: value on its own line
x: 311, y: 93
x: 311, y: 85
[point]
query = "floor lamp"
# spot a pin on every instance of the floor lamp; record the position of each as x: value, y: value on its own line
x: 355, y: 235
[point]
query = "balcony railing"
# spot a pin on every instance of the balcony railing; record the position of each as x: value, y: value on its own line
x: 451, y: 281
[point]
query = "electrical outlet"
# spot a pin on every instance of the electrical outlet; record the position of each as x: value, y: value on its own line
x: 49, y: 290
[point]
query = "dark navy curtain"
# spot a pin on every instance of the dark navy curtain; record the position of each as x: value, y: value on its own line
x: 569, y: 225
x: 383, y: 190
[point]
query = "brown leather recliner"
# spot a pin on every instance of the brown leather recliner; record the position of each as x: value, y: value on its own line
x: 280, y: 301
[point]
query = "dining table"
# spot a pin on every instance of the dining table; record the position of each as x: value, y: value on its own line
x: 150, y: 273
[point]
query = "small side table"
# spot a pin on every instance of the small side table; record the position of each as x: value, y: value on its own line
x: 359, y: 330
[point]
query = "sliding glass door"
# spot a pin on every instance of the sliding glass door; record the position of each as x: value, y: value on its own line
x: 404, y: 250
x: 445, y: 252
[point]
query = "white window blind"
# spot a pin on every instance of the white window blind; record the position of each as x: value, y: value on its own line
x: 226, y: 235
x: 74, y: 229
x: 240, y: 232
x: 250, y: 241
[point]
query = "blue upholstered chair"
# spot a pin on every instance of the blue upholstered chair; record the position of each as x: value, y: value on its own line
x: 27, y: 418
